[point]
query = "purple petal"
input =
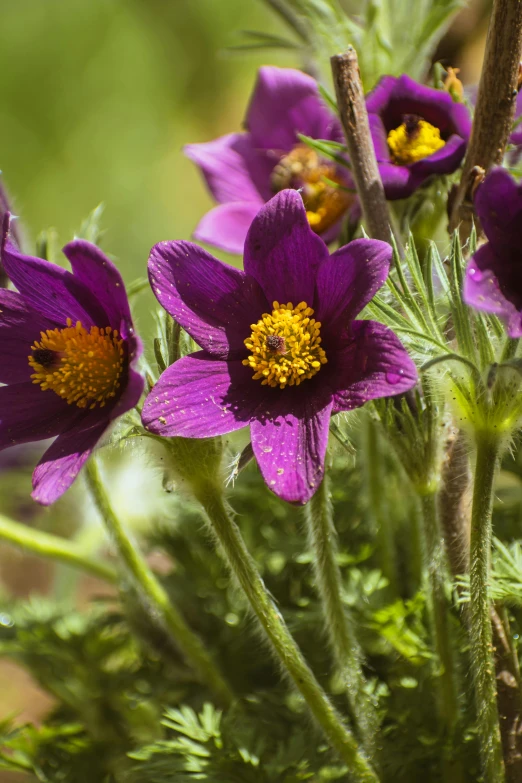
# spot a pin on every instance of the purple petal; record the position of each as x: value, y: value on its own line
x: 27, y: 413
x: 493, y: 284
x: 282, y: 252
x: 373, y: 364
x: 286, y: 102
x: 498, y: 203
x: 393, y: 97
x: 130, y: 396
x: 398, y: 181
x: 64, y: 459
x: 51, y: 291
x: 379, y: 138
x: 290, y: 439
x: 200, y: 396
x: 443, y: 161
x: 100, y: 276
x: 233, y: 169
x: 348, y: 280
x: 214, y: 302
x: 227, y: 226
x: 19, y: 328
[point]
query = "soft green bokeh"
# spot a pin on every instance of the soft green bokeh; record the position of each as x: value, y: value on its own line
x: 98, y: 98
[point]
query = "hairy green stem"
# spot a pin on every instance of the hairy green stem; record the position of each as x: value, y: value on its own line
x: 54, y: 548
x: 338, y: 623
x: 375, y: 494
x: 439, y: 607
x: 480, y: 610
x: 155, y: 595
x: 286, y: 650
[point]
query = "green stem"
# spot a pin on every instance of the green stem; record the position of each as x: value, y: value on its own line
x: 480, y: 610
x: 154, y: 593
x: 375, y: 493
x: 439, y: 607
x: 338, y: 623
x: 286, y: 650
x: 54, y: 548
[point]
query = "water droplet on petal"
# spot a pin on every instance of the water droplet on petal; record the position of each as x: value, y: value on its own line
x: 394, y: 377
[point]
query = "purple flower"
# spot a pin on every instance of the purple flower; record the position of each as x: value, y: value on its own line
x: 244, y: 170
x: 281, y: 349
x: 417, y: 131
x: 67, y: 356
x: 493, y: 280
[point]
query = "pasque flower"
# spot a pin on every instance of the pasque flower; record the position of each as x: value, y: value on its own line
x: 417, y: 131
x: 282, y: 350
x: 67, y: 356
x: 244, y: 170
x: 493, y: 280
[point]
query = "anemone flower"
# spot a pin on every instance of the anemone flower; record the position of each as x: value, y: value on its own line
x: 493, y: 281
x: 68, y: 356
x: 282, y: 350
x: 244, y: 170
x: 417, y: 131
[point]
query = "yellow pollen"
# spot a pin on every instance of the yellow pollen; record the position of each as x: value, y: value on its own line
x: 84, y: 367
x: 302, y: 169
x: 414, y: 140
x: 285, y: 346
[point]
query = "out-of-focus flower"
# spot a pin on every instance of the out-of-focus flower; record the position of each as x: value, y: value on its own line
x: 417, y: 131
x: 282, y: 350
x: 67, y: 356
x: 244, y: 170
x: 493, y: 280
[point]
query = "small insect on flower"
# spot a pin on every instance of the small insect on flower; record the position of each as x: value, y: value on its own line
x: 244, y: 170
x: 417, y: 131
x: 68, y: 353
x: 282, y: 350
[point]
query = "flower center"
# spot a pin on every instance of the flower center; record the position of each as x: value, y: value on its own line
x: 414, y: 140
x: 322, y: 190
x: 285, y: 346
x: 84, y: 367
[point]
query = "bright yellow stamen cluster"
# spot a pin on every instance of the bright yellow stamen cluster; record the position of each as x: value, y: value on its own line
x: 304, y: 170
x: 408, y: 145
x: 285, y: 346
x: 84, y: 367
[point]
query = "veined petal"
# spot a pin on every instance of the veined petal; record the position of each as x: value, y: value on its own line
x: 286, y: 102
x: 498, y: 202
x: 233, y: 169
x: 27, y: 413
x: 201, y: 396
x: 373, y: 364
x: 19, y: 328
x: 50, y: 290
x: 348, y: 280
x: 214, y: 302
x: 282, y: 252
x: 98, y: 274
x: 64, y: 459
x: 290, y: 439
x: 493, y: 284
x: 226, y: 226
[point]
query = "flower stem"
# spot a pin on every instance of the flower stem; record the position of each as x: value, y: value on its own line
x: 480, y: 610
x: 53, y: 548
x: 439, y: 606
x: 154, y: 593
x: 375, y: 483
x: 286, y: 650
x: 345, y: 647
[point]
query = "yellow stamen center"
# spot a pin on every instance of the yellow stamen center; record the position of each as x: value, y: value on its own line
x: 414, y: 140
x: 302, y: 169
x: 286, y: 346
x: 84, y: 367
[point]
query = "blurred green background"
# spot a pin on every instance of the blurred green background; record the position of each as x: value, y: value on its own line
x: 97, y: 99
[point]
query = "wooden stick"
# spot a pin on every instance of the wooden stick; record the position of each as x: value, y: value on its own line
x: 354, y: 117
x: 495, y: 109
